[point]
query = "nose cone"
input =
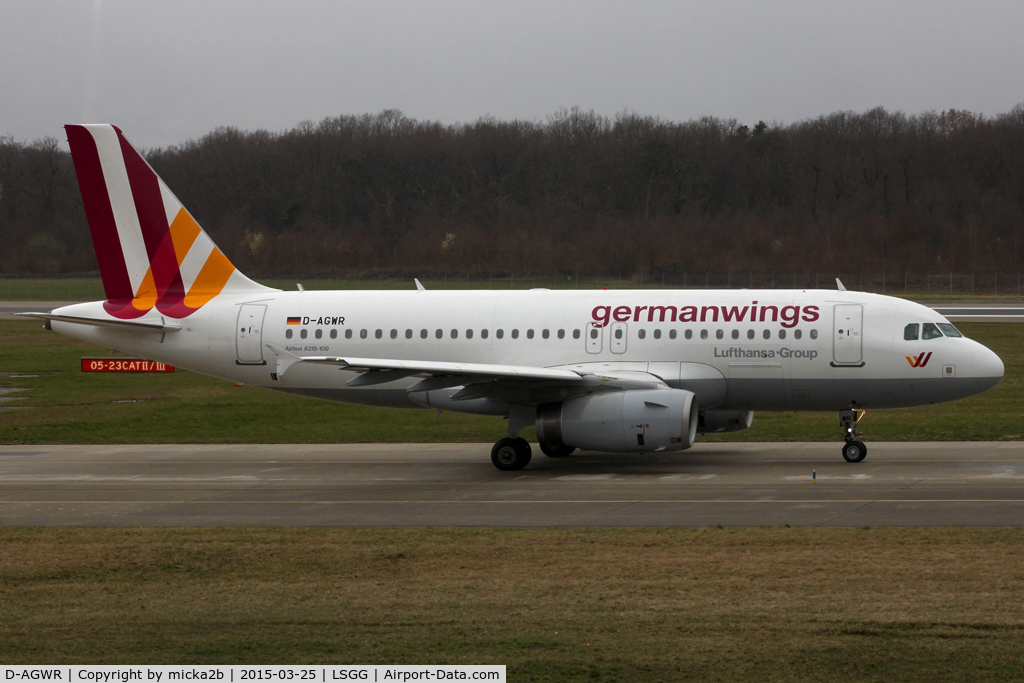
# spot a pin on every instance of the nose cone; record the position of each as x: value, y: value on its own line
x: 986, y: 367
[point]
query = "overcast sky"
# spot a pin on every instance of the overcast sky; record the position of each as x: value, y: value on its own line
x: 169, y: 71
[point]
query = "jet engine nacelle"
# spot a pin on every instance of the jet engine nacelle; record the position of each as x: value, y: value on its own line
x: 639, y: 421
x: 719, y: 421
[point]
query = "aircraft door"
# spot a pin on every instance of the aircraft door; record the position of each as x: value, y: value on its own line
x: 595, y: 338
x: 249, y: 335
x: 847, y: 334
x: 617, y: 343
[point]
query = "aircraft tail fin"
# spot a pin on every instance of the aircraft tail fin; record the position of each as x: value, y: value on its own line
x: 151, y: 252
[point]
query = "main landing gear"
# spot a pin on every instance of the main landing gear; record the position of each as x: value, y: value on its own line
x: 511, y: 453
x: 853, y: 450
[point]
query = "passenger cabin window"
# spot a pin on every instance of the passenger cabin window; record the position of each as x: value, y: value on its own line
x: 750, y: 334
x: 529, y: 334
x: 949, y: 330
x: 515, y: 334
x: 575, y: 334
x: 334, y: 334
x: 500, y: 333
x: 657, y: 334
x: 348, y: 334
x: 394, y: 334
x: 439, y: 334
x: 719, y: 334
x: 814, y: 334
x: 561, y: 334
x: 703, y: 334
x: 469, y: 334
x: 318, y: 334
x: 782, y: 334
x: 483, y: 334
x: 910, y: 332
x: 303, y: 333
x: 797, y: 334
x: 287, y: 334
x: 378, y: 334
x: 423, y: 334
x: 408, y: 334
x: 455, y: 334
x: 735, y: 334
x: 545, y: 334
x: 618, y: 333
x: 362, y: 334
x: 930, y: 331
x: 641, y: 334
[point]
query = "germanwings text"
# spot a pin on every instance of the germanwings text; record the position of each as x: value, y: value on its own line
x: 788, y: 316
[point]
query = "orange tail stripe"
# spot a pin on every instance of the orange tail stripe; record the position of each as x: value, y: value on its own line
x: 184, y: 231
x: 211, y: 279
x: 145, y: 298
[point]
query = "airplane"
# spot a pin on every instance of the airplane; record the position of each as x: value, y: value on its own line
x: 628, y: 371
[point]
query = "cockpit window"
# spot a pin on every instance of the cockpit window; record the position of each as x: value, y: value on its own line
x: 949, y: 330
x: 930, y: 331
x: 910, y: 332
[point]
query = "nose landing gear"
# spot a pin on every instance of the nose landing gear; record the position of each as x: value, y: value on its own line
x: 853, y: 450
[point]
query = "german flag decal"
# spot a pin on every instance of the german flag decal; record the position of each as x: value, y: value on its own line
x: 294, y: 321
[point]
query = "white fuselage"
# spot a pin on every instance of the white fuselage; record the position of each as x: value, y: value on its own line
x: 791, y: 350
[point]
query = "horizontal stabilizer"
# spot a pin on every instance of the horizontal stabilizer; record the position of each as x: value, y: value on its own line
x: 136, y: 324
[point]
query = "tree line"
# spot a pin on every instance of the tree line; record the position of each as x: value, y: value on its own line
x: 575, y: 193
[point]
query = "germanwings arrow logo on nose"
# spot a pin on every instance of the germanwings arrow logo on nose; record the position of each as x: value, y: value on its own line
x: 919, y: 361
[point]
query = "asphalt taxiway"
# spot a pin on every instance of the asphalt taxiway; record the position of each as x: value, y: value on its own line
x: 936, y: 483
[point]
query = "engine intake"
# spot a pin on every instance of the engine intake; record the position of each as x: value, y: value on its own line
x: 639, y: 421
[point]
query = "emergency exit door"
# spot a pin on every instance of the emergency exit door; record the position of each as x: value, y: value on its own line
x: 249, y: 334
x: 847, y: 335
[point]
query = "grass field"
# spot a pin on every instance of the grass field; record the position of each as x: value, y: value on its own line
x: 769, y: 604
x: 91, y: 288
x: 65, y: 405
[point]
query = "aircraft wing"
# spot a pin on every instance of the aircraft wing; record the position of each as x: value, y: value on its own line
x: 446, y: 368
x: 516, y: 383
x: 392, y: 369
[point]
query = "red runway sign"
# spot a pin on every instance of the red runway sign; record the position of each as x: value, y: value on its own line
x: 123, y: 365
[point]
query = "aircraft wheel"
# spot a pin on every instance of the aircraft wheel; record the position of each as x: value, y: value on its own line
x: 854, y: 451
x: 511, y: 454
x: 553, y: 450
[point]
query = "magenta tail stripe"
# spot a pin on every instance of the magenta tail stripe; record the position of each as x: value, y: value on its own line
x: 113, y: 270
x: 149, y: 206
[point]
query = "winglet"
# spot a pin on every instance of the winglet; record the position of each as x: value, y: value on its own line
x: 419, y: 285
x: 285, y: 359
x: 839, y: 285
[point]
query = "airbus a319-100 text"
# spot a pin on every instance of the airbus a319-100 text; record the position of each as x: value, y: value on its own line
x: 632, y: 371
